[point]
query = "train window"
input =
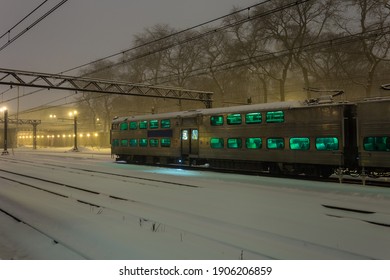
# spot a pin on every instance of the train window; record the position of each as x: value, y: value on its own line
x: 124, y: 143
x: 115, y: 142
x: 184, y: 134
x: 253, y: 143
x: 153, y: 124
x: 194, y: 134
x: 133, y: 142
x: 124, y: 126
x: 165, y: 123
x: 133, y: 125
x: 216, y: 143
x: 377, y: 143
x: 252, y: 118
x: 300, y: 143
x: 165, y: 142
x: 143, y: 142
x: 275, y: 143
x: 233, y: 119
x: 143, y: 124
x: 234, y: 143
x: 327, y: 144
x: 153, y: 142
x: 216, y: 120
x: 275, y: 117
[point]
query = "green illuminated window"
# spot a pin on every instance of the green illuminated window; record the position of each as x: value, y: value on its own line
x: 165, y: 123
x: 275, y: 117
x: 133, y: 142
x: 377, y: 143
x: 216, y: 120
x: 133, y: 125
x: 115, y: 142
x: 165, y: 142
x: 327, y: 144
x: 124, y: 126
x: 216, y: 143
x: 233, y: 119
x: 143, y: 124
x: 143, y: 142
x: 153, y: 142
x: 153, y: 124
x: 275, y: 143
x: 124, y: 142
x: 234, y: 143
x: 253, y: 143
x: 299, y: 143
x: 252, y: 118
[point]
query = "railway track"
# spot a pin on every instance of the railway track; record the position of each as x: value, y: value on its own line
x: 123, y: 206
x: 346, y: 179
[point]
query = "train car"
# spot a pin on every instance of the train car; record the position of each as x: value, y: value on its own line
x: 373, y: 126
x: 282, y: 137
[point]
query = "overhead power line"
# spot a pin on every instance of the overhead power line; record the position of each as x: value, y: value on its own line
x: 168, y: 36
x: 19, y: 22
x: 204, y: 34
x: 11, y: 40
x: 272, y: 55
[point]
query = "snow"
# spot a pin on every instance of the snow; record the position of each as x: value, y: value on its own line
x: 204, y: 215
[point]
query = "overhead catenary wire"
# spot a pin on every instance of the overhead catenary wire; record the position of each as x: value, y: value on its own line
x: 204, y: 34
x: 168, y: 36
x: 23, y: 19
x: 11, y: 40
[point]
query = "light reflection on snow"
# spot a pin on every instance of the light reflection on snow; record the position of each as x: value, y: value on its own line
x: 175, y: 172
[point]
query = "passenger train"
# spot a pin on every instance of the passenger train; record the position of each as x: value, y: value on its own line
x: 314, y: 138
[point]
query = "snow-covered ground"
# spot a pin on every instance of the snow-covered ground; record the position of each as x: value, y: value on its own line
x: 199, y: 215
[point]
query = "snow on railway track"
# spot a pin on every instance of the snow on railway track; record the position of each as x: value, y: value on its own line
x: 104, y: 213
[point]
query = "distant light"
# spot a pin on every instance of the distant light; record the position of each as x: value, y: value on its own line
x: 3, y: 109
x: 74, y: 113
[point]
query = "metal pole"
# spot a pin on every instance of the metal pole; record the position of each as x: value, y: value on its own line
x: 5, y: 151
x: 34, y: 135
x: 75, y: 134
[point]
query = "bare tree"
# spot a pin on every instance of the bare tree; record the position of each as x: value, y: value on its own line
x: 370, y: 20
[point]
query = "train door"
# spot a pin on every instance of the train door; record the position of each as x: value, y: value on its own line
x: 189, y: 142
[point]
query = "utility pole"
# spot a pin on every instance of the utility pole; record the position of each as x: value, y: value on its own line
x: 5, y: 151
x: 74, y: 114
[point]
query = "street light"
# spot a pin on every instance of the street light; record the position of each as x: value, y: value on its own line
x: 5, y: 110
x: 74, y: 114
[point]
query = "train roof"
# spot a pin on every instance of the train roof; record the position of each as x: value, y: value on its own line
x: 212, y: 111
